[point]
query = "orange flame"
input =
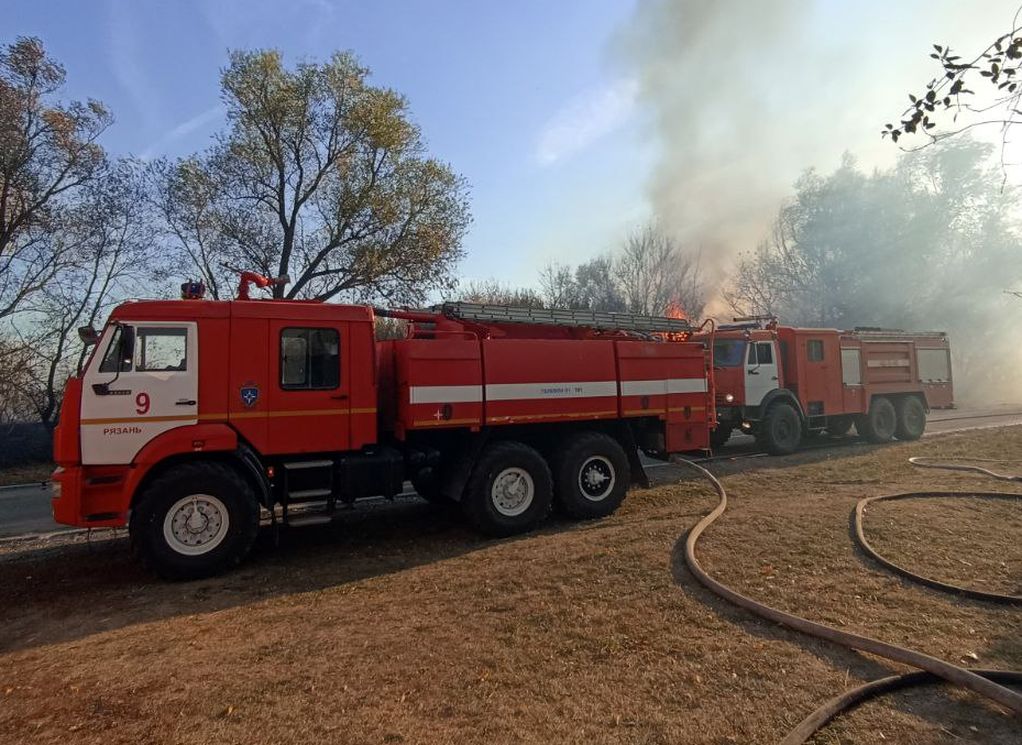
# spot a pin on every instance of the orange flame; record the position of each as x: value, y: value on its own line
x: 674, y: 310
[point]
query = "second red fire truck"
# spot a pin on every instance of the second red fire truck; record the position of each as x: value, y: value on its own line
x: 784, y: 384
x: 194, y: 418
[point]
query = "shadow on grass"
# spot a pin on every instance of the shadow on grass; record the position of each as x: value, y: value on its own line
x: 66, y: 592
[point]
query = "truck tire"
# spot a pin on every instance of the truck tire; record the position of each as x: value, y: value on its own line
x: 911, y: 419
x: 879, y: 423
x: 195, y: 520
x: 591, y: 476
x: 781, y: 430
x: 720, y: 436
x: 509, y: 491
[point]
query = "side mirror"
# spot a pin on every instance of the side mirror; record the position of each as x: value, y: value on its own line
x: 88, y: 335
x: 101, y: 389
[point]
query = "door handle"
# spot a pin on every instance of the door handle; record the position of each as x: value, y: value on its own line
x: 340, y: 397
x: 184, y: 402
x: 774, y: 377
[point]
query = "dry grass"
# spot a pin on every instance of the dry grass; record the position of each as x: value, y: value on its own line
x: 30, y: 473
x: 400, y: 626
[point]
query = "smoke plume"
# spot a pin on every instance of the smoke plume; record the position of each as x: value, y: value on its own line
x: 745, y: 96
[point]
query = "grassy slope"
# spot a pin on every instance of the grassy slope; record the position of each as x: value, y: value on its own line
x: 402, y: 626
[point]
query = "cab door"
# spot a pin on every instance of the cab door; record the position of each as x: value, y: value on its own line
x: 760, y: 371
x: 142, y: 382
x: 309, y: 396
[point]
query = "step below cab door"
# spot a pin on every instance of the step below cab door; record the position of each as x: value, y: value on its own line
x: 308, y: 403
x: 142, y: 382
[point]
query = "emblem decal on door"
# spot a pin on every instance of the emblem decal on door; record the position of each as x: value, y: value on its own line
x: 249, y: 394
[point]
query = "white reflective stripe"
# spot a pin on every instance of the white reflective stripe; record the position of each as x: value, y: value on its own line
x: 442, y: 394
x: 438, y: 394
x: 643, y: 387
x: 686, y: 385
x: 660, y: 387
x: 519, y: 391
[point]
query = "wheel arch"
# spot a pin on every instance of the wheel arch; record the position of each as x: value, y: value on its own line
x: 781, y: 395
x: 220, y: 444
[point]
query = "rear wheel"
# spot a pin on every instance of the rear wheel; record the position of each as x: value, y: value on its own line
x: 591, y: 476
x: 195, y: 520
x: 879, y: 423
x: 510, y: 489
x: 781, y: 431
x: 911, y: 419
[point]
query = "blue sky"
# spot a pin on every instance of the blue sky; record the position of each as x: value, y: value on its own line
x: 525, y: 99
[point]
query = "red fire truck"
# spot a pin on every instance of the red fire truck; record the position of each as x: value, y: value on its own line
x: 194, y: 417
x: 782, y: 384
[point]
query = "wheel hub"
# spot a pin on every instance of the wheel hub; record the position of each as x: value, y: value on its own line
x: 512, y: 492
x: 596, y: 478
x: 196, y: 524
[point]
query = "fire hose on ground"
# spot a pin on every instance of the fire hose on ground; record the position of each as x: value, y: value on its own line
x: 988, y: 683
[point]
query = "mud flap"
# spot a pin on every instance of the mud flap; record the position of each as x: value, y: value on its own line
x: 639, y: 475
x: 454, y: 478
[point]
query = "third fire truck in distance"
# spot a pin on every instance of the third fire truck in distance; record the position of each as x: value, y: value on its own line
x: 782, y: 384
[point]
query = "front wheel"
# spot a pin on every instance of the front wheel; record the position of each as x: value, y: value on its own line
x: 781, y: 431
x: 591, y: 476
x: 195, y: 520
x: 510, y: 490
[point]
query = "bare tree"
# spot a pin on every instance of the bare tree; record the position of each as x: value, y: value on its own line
x: 558, y: 287
x: 48, y: 152
x: 655, y: 274
x: 112, y: 254
x: 498, y: 293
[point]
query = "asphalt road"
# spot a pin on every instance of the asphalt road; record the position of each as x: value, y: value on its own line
x: 25, y: 510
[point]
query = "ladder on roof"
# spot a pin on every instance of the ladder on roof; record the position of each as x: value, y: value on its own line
x: 882, y: 333
x: 590, y: 319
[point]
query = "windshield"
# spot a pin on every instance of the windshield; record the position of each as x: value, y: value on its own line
x: 728, y: 352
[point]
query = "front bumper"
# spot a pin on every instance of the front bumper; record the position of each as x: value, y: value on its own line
x: 90, y: 497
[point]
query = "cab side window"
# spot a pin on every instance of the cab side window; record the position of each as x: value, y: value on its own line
x: 117, y: 358
x: 310, y: 359
x: 765, y: 353
x: 814, y: 350
x: 161, y: 349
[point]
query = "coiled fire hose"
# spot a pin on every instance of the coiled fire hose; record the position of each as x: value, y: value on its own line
x: 988, y: 683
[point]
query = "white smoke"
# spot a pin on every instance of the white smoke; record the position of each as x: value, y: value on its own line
x: 744, y: 96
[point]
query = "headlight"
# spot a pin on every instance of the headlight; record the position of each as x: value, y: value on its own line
x: 729, y: 397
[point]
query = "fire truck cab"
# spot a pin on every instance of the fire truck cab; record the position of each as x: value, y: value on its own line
x: 193, y: 419
x: 783, y: 384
